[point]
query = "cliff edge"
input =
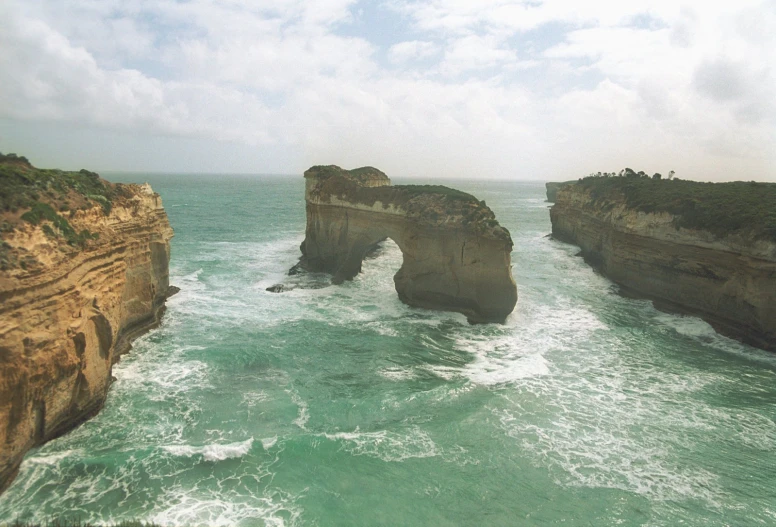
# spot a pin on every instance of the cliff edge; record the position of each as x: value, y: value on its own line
x: 552, y: 188
x: 456, y: 255
x: 705, y: 248
x: 83, y: 270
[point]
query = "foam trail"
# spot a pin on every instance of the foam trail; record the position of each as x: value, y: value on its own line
x: 212, y: 452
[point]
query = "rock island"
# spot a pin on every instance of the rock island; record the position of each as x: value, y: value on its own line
x: 456, y: 256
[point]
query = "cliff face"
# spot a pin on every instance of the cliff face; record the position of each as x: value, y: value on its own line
x: 456, y: 256
x: 728, y: 280
x: 68, y: 310
x: 553, y: 187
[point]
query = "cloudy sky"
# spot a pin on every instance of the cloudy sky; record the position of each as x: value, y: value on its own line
x: 530, y: 89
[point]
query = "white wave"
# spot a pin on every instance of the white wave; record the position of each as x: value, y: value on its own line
x: 304, y: 415
x: 212, y: 452
x: 592, y: 455
x: 490, y: 371
x: 251, y: 399
x: 518, y: 351
x: 701, y: 331
x: 183, y: 507
x: 269, y: 442
x: 176, y: 376
x: 191, y: 277
x: 397, y: 374
x: 687, y: 325
x: 596, y: 425
x: 52, y: 459
x: 387, y: 445
x: 383, y: 329
x: 448, y: 373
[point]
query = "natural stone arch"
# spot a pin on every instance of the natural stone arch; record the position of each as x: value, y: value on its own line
x: 456, y: 257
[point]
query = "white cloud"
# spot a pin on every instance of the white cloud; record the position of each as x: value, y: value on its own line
x: 552, y: 88
x: 412, y: 50
x: 475, y: 52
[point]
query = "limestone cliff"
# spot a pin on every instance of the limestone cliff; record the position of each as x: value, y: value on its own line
x: 81, y: 274
x: 709, y: 251
x: 456, y: 255
x: 552, y: 188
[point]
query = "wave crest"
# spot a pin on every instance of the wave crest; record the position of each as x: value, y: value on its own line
x: 212, y: 452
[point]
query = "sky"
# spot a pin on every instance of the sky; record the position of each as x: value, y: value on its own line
x: 491, y: 89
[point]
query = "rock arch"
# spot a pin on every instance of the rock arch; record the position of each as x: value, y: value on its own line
x: 456, y: 257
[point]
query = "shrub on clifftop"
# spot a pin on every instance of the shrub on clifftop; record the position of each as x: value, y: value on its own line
x: 739, y: 207
x: 48, y: 198
x: 22, y: 185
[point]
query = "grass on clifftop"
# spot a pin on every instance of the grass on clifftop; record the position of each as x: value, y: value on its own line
x: 739, y: 207
x: 361, y: 175
x: 429, y: 204
x: 22, y: 185
x: 441, y: 190
x: 47, y: 197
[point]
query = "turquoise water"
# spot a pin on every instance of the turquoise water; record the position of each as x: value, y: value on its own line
x: 341, y: 406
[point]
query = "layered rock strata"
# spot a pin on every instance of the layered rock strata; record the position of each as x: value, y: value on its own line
x: 730, y: 280
x: 69, y: 311
x: 456, y: 257
x: 552, y: 188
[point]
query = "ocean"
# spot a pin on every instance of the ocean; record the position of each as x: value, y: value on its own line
x: 340, y: 406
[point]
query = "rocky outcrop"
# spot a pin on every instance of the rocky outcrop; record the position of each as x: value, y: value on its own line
x: 456, y: 255
x: 553, y: 187
x: 729, y: 280
x: 71, y: 303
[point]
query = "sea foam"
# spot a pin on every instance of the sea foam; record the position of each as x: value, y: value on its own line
x: 212, y: 452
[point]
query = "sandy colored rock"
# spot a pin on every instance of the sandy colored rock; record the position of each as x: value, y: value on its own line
x: 729, y: 281
x: 456, y: 257
x: 552, y: 188
x: 65, y: 321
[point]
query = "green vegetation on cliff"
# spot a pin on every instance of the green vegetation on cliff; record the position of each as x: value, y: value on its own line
x: 47, y: 197
x: 739, y: 207
x: 433, y: 205
x: 430, y: 204
x: 440, y: 190
x: 22, y: 185
x: 363, y: 175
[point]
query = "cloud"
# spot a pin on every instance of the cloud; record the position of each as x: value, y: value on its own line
x: 552, y: 88
x: 722, y: 80
x: 412, y: 50
x: 475, y: 52
x: 43, y: 77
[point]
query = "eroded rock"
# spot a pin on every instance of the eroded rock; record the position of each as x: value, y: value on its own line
x: 728, y: 279
x: 100, y: 279
x: 456, y: 256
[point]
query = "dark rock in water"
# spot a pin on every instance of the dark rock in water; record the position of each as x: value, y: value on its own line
x: 295, y: 270
x: 277, y: 288
x: 171, y: 290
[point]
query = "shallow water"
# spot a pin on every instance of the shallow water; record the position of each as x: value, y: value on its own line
x: 341, y: 406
